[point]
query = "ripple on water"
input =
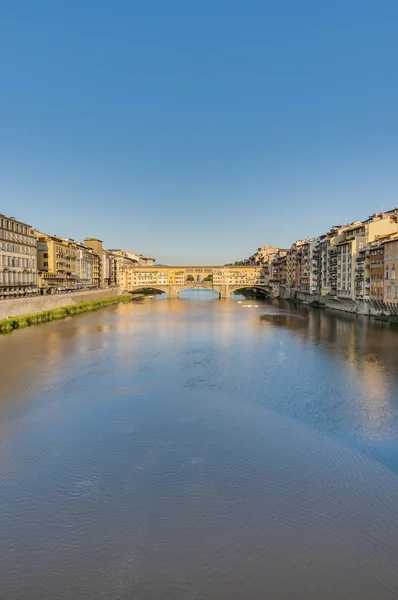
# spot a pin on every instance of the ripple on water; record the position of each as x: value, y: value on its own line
x: 178, y: 463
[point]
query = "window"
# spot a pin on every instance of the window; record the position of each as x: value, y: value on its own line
x: 388, y: 295
x: 45, y: 255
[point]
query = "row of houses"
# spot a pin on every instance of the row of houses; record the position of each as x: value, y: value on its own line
x: 356, y: 261
x: 33, y: 262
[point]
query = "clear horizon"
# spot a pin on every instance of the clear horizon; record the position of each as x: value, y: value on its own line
x: 196, y: 134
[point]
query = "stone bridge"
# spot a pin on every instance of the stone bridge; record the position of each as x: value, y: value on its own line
x: 172, y: 280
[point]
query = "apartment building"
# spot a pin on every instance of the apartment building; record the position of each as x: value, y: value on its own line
x: 109, y: 269
x: 362, y: 274
x: 85, y: 266
x: 293, y: 265
x: 390, y: 283
x: 141, y: 259
x: 318, y: 263
x: 278, y: 267
x: 121, y: 261
x: 309, y: 266
x: 327, y: 260
x: 376, y: 270
x: 129, y: 278
x: 323, y: 262
x: 18, y: 261
x: 56, y: 262
x: 263, y: 256
x: 346, y: 254
x: 290, y: 267
x: 96, y: 246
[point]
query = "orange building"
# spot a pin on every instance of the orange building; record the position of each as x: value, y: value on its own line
x: 390, y: 283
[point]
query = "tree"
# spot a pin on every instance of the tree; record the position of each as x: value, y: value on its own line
x: 209, y: 278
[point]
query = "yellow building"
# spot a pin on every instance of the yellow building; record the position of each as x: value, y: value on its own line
x: 172, y: 280
x: 56, y: 262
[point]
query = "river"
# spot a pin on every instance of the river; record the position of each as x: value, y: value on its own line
x: 200, y: 449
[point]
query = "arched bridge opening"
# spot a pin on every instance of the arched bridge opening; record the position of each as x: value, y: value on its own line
x: 258, y: 289
x: 223, y: 291
x: 147, y: 290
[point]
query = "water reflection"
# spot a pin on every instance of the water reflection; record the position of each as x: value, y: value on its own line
x: 366, y: 350
x: 175, y: 449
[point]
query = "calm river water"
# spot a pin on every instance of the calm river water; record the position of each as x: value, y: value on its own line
x: 191, y: 450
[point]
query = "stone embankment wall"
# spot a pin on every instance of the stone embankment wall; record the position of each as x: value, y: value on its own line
x: 371, y: 308
x: 26, y: 306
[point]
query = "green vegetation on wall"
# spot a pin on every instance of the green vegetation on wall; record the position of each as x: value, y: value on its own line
x: 55, y: 314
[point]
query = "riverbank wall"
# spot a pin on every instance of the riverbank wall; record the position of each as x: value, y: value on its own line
x: 370, y: 308
x: 26, y: 306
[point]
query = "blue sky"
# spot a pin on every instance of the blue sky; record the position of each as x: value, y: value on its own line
x: 196, y: 131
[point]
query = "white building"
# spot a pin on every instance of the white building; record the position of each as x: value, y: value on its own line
x: 18, y: 258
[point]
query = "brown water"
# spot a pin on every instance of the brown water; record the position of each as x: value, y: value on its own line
x: 188, y: 450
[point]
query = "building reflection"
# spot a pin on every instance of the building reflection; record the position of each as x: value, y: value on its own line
x: 366, y: 348
x: 216, y: 345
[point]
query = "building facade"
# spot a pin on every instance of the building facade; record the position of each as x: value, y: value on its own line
x: 96, y: 246
x: 85, y: 266
x: 309, y: 266
x: 390, y: 283
x: 121, y: 262
x: 376, y: 270
x: 109, y: 269
x: 346, y: 262
x: 263, y: 256
x: 141, y: 259
x: 279, y: 267
x: 56, y: 262
x: 18, y: 260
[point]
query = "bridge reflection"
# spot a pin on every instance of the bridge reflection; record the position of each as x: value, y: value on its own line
x: 220, y: 292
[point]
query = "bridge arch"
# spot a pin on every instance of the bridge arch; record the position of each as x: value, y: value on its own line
x: 140, y: 288
x: 224, y: 291
x: 260, y: 288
